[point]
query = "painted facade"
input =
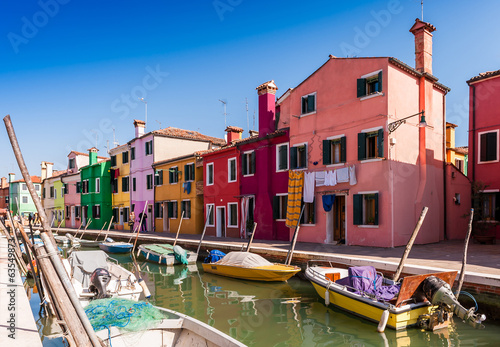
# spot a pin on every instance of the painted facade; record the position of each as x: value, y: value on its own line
x: 96, y: 191
x: 158, y: 145
x: 350, y: 115
x: 484, y: 139
x: 120, y: 172
x: 4, y: 196
x: 20, y: 201
x: 455, y: 155
x: 178, y: 190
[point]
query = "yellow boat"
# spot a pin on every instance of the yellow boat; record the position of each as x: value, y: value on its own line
x: 425, y: 301
x: 250, y: 266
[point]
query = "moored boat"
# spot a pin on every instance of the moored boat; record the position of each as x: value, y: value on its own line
x: 250, y: 266
x: 116, y: 247
x: 166, y: 254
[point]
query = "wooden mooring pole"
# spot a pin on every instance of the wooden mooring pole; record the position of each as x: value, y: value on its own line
x: 464, y: 260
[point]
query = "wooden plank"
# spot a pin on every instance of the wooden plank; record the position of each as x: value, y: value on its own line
x: 411, y: 284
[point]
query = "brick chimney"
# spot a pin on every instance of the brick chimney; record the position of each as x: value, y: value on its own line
x: 93, y: 155
x: 12, y: 177
x: 46, y: 170
x: 267, y: 107
x: 233, y: 133
x: 423, y: 45
x: 139, y: 125
x: 4, y: 183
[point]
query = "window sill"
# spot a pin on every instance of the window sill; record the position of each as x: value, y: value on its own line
x: 368, y: 226
x: 488, y: 162
x: 335, y: 165
x: 371, y: 160
x: 373, y: 95
x: 232, y: 226
x: 208, y: 185
x: 231, y: 181
x: 249, y: 175
x: 282, y: 170
x: 307, y: 114
x: 173, y: 183
x: 307, y: 225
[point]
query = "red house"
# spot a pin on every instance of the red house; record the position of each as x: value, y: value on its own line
x: 484, y: 164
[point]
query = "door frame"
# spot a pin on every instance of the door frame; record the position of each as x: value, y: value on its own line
x: 220, y: 228
x: 330, y: 220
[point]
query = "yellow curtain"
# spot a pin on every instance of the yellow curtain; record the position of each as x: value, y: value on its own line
x: 295, y: 185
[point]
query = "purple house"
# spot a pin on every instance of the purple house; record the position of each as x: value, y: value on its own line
x: 154, y: 146
x: 264, y: 172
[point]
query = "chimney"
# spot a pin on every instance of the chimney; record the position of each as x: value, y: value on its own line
x: 46, y: 170
x: 139, y: 125
x: 267, y: 104
x: 93, y: 155
x: 12, y: 177
x: 4, y: 183
x: 423, y: 45
x: 233, y: 133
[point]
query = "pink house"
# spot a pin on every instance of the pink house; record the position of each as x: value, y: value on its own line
x: 356, y: 124
x: 484, y: 163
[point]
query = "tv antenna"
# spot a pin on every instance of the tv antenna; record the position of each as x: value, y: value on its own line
x: 225, y: 114
x: 158, y: 122
x: 253, y: 126
x: 248, y: 120
x: 422, y: 5
x: 115, y: 143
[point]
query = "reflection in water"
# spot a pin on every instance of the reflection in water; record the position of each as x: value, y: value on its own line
x: 281, y: 314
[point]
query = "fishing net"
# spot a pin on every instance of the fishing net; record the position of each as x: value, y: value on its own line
x: 124, y: 314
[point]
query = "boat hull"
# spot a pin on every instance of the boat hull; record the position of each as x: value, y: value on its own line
x: 164, y: 259
x: 275, y: 272
x: 116, y: 247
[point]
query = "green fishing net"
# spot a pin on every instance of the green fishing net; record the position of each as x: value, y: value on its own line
x: 124, y: 314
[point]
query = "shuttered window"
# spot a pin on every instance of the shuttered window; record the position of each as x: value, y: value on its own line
x: 158, y: 177
x: 369, y: 85
x: 173, y: 175
x: 113, y: 160
x: 308, y: 103
x: 231, y: 170
x: 334, y: 151
x: 125, y: 184
x: 248, y: 163
x: 298, y: 157
x: 371, y: 145
x: 172, y: 209
x: 210, y: 174
x: 488, y: 146
x: 189, y: 172
x: 149, y: 181
x: 279, y: 207
x: 186, y: 208
x: 282, y: 157
x: 365, y: 209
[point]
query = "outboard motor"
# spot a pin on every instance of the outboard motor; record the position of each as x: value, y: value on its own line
x: 98, y: 282
x: 438, y: 292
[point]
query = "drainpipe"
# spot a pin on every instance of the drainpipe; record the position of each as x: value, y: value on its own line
x: 421, y: 152
x: 473, y: 143
x: 444, y: 168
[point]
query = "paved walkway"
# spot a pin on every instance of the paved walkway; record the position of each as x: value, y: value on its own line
x: 17, y: 325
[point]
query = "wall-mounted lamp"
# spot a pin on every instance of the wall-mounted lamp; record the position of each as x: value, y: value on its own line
x: 394, y: 125
x: 295, y: 116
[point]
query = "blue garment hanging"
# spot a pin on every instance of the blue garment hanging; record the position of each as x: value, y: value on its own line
x: 187, y: 187
x: 328, y: 201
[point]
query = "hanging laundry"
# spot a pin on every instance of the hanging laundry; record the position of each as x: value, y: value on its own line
x: 187, y: 187
x: 352, y: 175
x: 343, y: 175
x: 309, y: 186
x: 330, y: 178
x: 117, y: 173
x: 320, y: 178
x: 328, y: 201
x: 295, y: 184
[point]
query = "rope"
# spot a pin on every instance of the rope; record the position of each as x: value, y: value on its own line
x: 471, y: 297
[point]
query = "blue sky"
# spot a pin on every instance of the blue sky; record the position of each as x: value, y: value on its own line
x: 73, y: 70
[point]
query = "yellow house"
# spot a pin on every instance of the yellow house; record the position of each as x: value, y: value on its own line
x: 455, y: 155
x: 120, y: 186
x: 179, y: 193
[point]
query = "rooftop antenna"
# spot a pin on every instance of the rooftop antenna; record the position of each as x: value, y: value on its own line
x: 107, y: 146
x: 159, y: 123
x: 248, y: 120
x: 115, y: 143
x: 422, y: 5
x: 225, y: 114
x: 253, y: 126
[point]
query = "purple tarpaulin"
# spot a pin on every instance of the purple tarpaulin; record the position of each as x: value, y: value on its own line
x: 365, y: 279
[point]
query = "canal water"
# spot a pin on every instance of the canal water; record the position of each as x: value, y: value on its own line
x: 273, y: 314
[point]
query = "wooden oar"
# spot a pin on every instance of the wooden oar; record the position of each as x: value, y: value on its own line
x: 410, y: 244
x: 464, y: 260
x: 204, y: 230
x: 251, y: 237
x: 179, y: 228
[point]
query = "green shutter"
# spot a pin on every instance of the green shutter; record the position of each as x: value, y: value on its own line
x: 361, y: 87
x: 244, y: 166
x: 169, y: 209
x: 327, y: 152
x: 379, y: 81
x: 361, y: 146
x: 376, y: 208
x: 160, y: 176
x: 310, y: 103
x: 283, y: 157
x: 304, y: 105
x: 252, y: 162
x: 357, y: 209
x: 293, y: 158
x: 343, y: 149
x: 276, y: 207
x: 491, y: 140
x: 380, y: 143
x: 193, y: 172
x: 313, y: 211
x: 186, y: 172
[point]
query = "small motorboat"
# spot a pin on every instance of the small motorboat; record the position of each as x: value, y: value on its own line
x: 95, y: 275
x: 116, y: 247
x: 166, y: 254
x: 425, y: 300
x: 63, y: 240
x: 250, y: 266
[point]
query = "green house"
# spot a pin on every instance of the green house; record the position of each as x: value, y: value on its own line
x: 95, y: 188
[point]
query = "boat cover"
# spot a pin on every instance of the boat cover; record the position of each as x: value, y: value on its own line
x: 243, y: 259
x: 213, y: 256
x: 84, y: 263
x: 364, y: 279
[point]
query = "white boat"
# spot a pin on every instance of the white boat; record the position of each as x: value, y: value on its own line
x: 95, y: 275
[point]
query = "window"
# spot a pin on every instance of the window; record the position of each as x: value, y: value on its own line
x: 125, y: 184
x: 149, y: 147
x: 298, y: 157
x: 186, y: 208
x: 232, y: 218
x: 173, y: 175
x: 78, y: 187
x: 51, y: 190
x: 125, y: 212
x: 158, y: 177
x: 133, y: 184
x: 189, y: 172
x: 113, y: 160
x: 282, y: 157
x: 248, y: 163
x: 37, y: 187
x: 334, y: 151
x: 114, y: 185
x: 371, y: 145
x: 308, y: 216
x: 96, y: 211
x: 132, y: 153
x: 65, y: 188
x: 25, y: 199
x: 72, y: 163
x: 279, y: 206
x: 77, y: 211
x: 231, y: 170
x: 158, y: 210
x: 211, y: 208
x: 24, y: 186
x: 62, y: 191
x: 210, y: 174
x: 308, y: 103
x: 116, y: 215
x: 490, y: 208
x: 124, y: 157
x: 365, y: 209
x: 43, y: 193
x: 68, y: 208
x: 149, y: 181
x: 459, y: 164
x: 85, y: 186
x: 172, y: 209
x: 488, y: 146
x: 98, y: 185
x: 370, y: 84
